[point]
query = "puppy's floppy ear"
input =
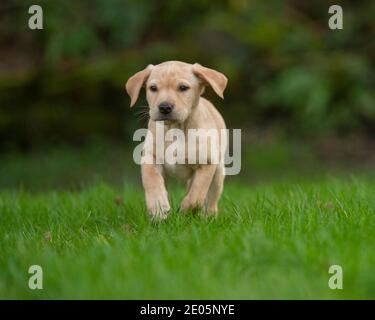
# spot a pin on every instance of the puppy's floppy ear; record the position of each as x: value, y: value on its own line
x: 215, y: 79
x: 136, y: 82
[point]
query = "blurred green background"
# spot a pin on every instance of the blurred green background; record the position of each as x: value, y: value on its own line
x: 302, y: 94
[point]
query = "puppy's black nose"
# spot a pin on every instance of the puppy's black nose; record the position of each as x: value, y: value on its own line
x: 165, y: 107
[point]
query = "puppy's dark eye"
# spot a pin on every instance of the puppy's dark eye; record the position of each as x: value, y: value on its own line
x: 153, y: 88
x: 182, y: 87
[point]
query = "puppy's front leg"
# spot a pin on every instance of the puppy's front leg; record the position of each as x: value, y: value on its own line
x: 199, y: 186
x: 156, y: 193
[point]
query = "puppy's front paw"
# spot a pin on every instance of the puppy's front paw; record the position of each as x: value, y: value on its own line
x: 188, y: 205
x: 212, y: 211
x: 158, y: 207
x: 159, y: 212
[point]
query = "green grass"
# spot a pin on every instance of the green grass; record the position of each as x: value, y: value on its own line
x: 274, y: 240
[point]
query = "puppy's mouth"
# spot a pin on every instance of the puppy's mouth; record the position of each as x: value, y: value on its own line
x: 165, y: 117
x: 173, y: 116
x: 170, y: 117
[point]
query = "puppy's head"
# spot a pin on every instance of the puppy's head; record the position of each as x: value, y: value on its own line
x: 173, y: 88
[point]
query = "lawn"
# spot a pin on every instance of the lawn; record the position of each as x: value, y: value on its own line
x: 271, y: 240
x: 80, y: 215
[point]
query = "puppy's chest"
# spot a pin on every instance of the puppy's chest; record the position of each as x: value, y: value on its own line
x: 176, y: 162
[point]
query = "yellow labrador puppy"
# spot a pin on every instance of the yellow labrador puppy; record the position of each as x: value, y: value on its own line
x: 174, y: 97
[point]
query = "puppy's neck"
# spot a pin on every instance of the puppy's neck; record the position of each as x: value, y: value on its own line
x: 174, y: 125
x: 194, y: 115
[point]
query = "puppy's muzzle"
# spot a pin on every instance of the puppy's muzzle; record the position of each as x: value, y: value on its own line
x: 166, y: 108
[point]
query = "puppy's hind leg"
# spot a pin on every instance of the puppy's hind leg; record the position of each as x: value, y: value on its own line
x: 215, y: 191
